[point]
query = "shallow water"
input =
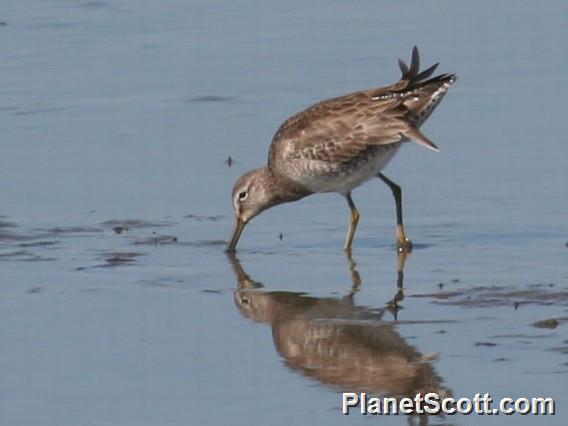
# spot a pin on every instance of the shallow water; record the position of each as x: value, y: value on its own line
x: 118, y: 305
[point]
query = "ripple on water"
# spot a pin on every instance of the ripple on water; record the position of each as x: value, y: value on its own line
x: 24, y: 256
x: 491, y: 296
x: 48, y: 243
x: 136, y: 223
x: 114, y: 259
x: 68, y: 230
x: 210, y: 218
x: 156, y: 240
x: 210, y: 98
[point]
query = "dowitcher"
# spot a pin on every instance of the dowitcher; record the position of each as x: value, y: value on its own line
x: 338, y: 144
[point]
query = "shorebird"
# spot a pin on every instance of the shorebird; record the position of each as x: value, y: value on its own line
x: 340, y: 143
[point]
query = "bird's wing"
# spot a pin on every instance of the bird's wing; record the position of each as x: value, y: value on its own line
x: 339, y: 129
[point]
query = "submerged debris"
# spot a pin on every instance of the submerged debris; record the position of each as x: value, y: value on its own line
x: 120, y: 229
x: 551, y: 323
x: 39, y: 244
x: 72, y: 230
x: 488, y: 344
x: 113, y: 259
x: 121, y: 257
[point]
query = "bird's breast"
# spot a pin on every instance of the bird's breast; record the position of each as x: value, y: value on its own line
x: 328, y: 176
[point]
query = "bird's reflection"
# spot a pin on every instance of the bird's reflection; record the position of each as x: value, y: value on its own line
x: 337, y: 342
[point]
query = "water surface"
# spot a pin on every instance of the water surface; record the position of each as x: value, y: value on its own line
x: 118, y: 305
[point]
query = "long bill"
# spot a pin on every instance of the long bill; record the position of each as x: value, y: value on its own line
x: 239, y: 226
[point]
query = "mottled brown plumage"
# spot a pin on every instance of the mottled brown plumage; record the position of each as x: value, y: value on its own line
x: 338, y: 144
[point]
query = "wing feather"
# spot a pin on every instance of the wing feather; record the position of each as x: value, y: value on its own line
x: 339, y: 129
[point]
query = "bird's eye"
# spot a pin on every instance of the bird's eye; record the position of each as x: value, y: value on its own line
x: 242, y: 195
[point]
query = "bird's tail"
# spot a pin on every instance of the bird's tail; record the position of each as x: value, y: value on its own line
x: 413, y: 78
x: 422, y: 94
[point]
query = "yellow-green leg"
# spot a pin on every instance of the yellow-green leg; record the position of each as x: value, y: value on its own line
x: 355, y: 276
x: 402, y: 242
x: 353, y: 222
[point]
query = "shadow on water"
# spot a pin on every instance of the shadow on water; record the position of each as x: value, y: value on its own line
x: 337, y: 342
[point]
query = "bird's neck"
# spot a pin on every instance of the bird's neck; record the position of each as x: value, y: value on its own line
x: 283, y: 189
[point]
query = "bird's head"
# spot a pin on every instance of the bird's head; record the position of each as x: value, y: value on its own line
x: 252, y: 194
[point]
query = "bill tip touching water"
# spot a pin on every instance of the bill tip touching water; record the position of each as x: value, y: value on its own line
x: 340, y: 143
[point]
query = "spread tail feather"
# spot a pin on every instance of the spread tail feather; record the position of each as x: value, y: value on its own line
x: 411, y: 75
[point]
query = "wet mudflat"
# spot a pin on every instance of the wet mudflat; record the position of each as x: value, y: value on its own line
x: 124, y: 127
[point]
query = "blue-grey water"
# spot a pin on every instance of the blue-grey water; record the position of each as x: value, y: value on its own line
x: 118, y: 305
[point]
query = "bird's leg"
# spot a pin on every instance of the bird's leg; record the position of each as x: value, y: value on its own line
x: 403, y: 243
x: 393, y: 305
x: 355, y: 276
x: 353, y: 222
